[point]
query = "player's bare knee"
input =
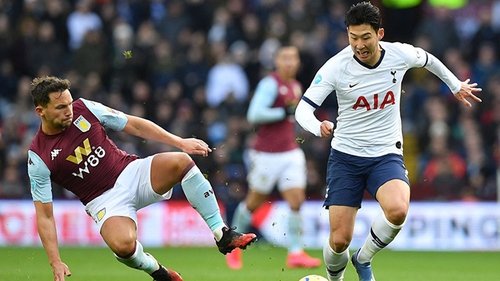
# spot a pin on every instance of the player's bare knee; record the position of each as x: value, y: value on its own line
x: 123, y: 248
x: 397, y: 216
x: 183, y: 160
x: 339, y: 244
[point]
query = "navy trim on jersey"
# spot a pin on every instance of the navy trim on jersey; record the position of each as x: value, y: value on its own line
x: 369, y: 66
x: 426, y: 59
x: 310, y: 102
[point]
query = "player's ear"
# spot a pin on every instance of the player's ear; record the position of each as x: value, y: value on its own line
x: 39, y: 110
x: 381, y: 33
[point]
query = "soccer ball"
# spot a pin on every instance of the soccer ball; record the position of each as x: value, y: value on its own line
x: 313, y: 277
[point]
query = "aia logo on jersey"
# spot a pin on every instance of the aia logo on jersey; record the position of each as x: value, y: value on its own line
x: 363, y: 102
x: 82, y: 124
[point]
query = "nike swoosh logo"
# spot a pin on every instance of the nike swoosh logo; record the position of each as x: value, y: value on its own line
x: 352, y: 85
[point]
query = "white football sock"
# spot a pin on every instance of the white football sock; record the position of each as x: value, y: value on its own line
x: 335, y: 262
x: 242, y: 217
x: 294, y: 232
x: 381, y: 234
x: 140, y: 260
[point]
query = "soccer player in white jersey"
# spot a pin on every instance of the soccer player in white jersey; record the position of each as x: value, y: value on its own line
x: 367, y: 145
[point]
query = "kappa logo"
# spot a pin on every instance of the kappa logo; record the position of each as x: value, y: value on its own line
x: 82, y: 124
x: 54, y: 153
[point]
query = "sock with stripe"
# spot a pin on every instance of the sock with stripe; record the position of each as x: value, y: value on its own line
x: 335, y: 262
x: 381, y: 234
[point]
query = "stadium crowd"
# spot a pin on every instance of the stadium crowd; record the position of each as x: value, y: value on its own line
x: 192, y: 67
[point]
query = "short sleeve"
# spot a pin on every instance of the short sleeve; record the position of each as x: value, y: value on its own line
x: 39, y: 174
x: 108, y: 117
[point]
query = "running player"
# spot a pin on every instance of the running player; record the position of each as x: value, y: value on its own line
x: 275, y: 157
x: 367, y: 147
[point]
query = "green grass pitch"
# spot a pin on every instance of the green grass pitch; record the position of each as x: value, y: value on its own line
x: 261, y: 262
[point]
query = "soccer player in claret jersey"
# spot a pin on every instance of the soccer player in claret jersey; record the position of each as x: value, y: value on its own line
x: 275, y: 157
x: 73, y: 150
x: 367, y: 152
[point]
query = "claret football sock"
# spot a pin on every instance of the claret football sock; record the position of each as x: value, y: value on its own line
x: 201, y: 196
x: 335, y: 262
x: 140, y: 260
x: 381, y: 234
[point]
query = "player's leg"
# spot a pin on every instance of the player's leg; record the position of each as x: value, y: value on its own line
x: 296, y: 256
x: 168, y: 169
x: 120, y: 235
x: 388, y: 183
x: 336, y: 251
x: 346, y: 183
x: 394, y: 198
x: 292, y: 186
x: 261, y: 178
x: 242, y: 219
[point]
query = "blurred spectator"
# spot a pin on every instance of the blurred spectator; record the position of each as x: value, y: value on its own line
x: 174, y: 20
x: 47, y: 52
x: 56, y: 12
x: 439, y: 27
x: 81, y: 21
x: 194, y: 64
x: 91, y: 55
x: 226, y: 79
x: 400, y: 17
x: 11, y: 185
x: 445, y: 171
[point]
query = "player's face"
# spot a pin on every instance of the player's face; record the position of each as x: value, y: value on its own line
x: 287, y: 62
x: 58, y: 114
x: 364, y: 41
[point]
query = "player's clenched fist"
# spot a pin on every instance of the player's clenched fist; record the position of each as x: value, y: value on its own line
x: 326, y: 128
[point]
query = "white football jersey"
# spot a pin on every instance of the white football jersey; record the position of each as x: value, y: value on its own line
x: 369, y: 97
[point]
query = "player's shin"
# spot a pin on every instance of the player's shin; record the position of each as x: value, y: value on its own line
x: 242, y: 217
x: 294, y: 232
x: 201, y: 196
x: 335, y: 262
x: 140, y: 260
x: 381, y: 234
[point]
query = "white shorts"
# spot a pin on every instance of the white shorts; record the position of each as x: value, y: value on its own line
x: 131, y: 192
x: 282, y: 169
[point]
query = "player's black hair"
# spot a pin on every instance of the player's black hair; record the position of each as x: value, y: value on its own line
x: 41, y: 87
x: 364, y: 13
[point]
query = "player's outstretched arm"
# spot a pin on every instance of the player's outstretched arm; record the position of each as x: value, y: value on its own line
x: 146, y: 129
x: 467, y: 91
x: 47, y: 231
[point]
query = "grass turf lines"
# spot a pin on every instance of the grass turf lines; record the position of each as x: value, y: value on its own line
x: 261, y: 262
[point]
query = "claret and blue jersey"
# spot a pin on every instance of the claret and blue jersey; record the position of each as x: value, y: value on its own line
x: 71, y: 158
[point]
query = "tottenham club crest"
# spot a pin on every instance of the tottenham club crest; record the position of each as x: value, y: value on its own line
x: 82, y: 124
